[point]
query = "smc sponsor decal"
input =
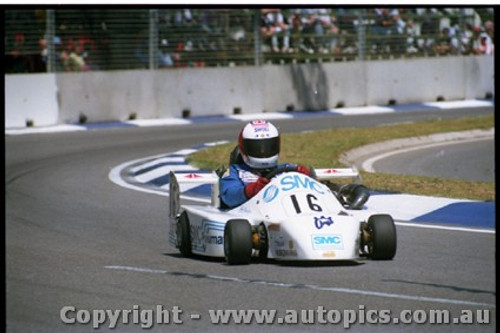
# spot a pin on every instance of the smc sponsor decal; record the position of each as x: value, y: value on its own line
x: 289, y: 183
x: 327, y: 242
x: 270, y: 193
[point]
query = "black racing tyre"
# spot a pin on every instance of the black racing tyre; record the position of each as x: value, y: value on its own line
x: 383, y: 240
x: 184, y: 235
x: 264, y: 241
x: 238, y: 242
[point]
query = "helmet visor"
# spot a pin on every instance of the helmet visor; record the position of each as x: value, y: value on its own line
x: 261, y: 148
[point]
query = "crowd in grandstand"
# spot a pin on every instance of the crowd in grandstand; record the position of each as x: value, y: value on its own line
x: 194, y: 36
x: 387, y: 30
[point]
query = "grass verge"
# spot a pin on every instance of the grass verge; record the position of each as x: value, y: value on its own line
x: 322, y: 149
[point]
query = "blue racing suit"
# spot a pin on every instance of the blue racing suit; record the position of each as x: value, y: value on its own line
x: 233, y: 181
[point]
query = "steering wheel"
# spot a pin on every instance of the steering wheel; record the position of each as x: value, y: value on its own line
x: 281, y: 169
x: 287, y: 168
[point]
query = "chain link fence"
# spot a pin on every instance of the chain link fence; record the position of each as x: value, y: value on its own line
x: 93, y: 39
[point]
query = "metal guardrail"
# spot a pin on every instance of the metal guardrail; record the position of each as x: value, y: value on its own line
x: 69, y: 39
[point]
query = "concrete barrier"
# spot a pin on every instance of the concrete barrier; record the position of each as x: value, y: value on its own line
x: 64, y: 98
x: 30, y: 99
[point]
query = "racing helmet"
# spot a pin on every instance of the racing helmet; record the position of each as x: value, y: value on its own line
x: 259, y: 143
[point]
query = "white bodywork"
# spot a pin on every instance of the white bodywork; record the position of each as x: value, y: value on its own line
x: 303, y: 218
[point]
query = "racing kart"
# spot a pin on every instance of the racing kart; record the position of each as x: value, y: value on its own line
x: 294, y: 217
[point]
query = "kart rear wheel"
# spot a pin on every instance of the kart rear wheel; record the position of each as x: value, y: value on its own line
x: 184, y: 235
x: 238, y: 242
x: 383, y: 240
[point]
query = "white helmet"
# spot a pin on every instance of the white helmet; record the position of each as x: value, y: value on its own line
x: 259, y: 144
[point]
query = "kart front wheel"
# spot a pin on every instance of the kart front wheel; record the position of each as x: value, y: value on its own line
x: 184, y: 235
x: 382, y: 244
x: 237, y: 242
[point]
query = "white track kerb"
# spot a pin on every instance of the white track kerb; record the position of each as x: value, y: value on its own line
x: 150, y: 175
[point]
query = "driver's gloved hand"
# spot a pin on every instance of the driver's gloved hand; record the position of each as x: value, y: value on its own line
x: 303, y: 169
x: 254, y: 188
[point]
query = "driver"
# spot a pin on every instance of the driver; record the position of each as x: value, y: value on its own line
x: 259, y: 146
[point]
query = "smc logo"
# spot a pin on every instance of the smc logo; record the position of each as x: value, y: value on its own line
x: 270, y: 193
x: 327, y: 242
x: 292, y: 182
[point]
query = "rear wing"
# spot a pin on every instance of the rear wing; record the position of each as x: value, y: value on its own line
x: 335, y: 173
x: 191, y: 178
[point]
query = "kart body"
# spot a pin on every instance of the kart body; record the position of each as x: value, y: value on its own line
x: 294, y: 217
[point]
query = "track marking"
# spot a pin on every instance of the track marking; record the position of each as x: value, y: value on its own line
x: 368, y: 164
x: 115, y: 177
x: 304, y: 286
x: 442, y: 227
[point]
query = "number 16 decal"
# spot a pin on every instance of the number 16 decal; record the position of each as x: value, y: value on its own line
x: 310, y: 198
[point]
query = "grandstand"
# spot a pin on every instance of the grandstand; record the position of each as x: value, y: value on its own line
x: 126, y: 38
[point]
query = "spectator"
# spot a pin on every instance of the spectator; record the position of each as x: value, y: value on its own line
x: 72, y: 61
x: 165, y: 56
x: 483, y: 45
x: 295, y: 31
x: 429, y: 28
x: 274, y: 30
x: 467, y: 39
x: 410, y: 33
x: 44, y: 52
x: 19, y: 63
x: 399, y: 30
x: 443, y: 44
x: 326, y: 31
x: 489, y: 27
x: 322, y: 25
x: 334, y: 36
x: 310, y: 29
x: 382, y: 29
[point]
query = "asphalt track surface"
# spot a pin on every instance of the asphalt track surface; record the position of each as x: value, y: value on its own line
x: 73, y: 238
x: 473, y: 160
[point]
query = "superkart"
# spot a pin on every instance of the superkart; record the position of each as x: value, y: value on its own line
x: 294, y: 217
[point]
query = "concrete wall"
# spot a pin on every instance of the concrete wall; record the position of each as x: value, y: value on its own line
x: 30, y: 97
x: 416, y: 81
x: 479, y: 74
x: 115, y: 95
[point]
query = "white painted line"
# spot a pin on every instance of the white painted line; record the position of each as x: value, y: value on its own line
x: 48, y: 129
x: 254, y: 116
x: 179, y: 159
x: 216, y: 143
x: 309, y: 286
x: 185, y: 152
x: 158, y: 122
x: 406, y: 207
x: 460, y: 104
x: 363, y: 110
x: 368, y: 164
x: 442, y: 227
x: 162, y: 171
x: 115, y: 177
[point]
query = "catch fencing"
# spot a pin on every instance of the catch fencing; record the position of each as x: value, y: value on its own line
x: 126, y: 38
